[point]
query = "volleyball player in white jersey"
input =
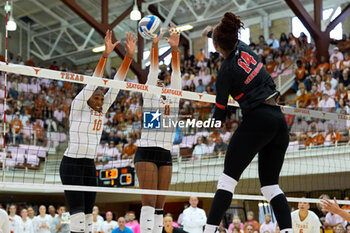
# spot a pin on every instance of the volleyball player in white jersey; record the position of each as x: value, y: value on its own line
x: 4, y: 222
x: 153, y: 161
x: 86, y: 124
x: 304, y: 220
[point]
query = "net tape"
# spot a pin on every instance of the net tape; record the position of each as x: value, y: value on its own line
x: 129, y: 86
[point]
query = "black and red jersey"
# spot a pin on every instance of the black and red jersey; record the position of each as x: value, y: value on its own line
x: 243, y: 76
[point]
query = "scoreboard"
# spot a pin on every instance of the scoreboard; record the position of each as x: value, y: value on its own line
x: 116, y: 177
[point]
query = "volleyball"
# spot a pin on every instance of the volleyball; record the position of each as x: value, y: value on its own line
x: 149, y: 27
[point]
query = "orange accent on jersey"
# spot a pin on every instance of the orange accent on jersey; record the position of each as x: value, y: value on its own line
x: 175, y: 61
x: 101, y: 66
x: 123, y: 69
x: 154, y: 57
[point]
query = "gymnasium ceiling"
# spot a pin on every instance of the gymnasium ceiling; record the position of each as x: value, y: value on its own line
x: 52, y: 19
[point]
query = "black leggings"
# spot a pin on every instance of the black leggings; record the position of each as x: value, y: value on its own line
x: 264, y: 131
x: 79, y: 172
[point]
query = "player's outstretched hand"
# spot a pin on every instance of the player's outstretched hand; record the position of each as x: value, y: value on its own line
x: 330, y: 206
x: 108, y: 43
x: 156, y: 40
x: 174, y: 37
x: 130, y: 44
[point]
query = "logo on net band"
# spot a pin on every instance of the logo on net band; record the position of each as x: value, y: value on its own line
x: 152, y: 120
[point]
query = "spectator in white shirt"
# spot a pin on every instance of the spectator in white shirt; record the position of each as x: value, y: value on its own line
x: 268, y: 225
x: 96, y: 224
x: 109, y: 225
x: 333, y: 220
x: 59, y: 117
x: 14, y: 220
x: 329, y: 90
x: 327, y: 104
x: 194, y: 218
x: 201, y: 149
x: 34, y: 87
x: 336, y: 53
x: 24, y: 85
x: 273, y: 42
x: 25, y: 225
x: 4, y: 222
x: 52, y: 212
x: 186, y: 81
x: 31, y: 214
x: 112, y: 152
x: 41, y: 223
x: 59, y: 224
x: 97, y: 210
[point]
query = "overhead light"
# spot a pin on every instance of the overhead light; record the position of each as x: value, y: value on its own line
x: 135, y: 13
x: 11, y: 24
x: 184, y: 27
x: 99, y: 49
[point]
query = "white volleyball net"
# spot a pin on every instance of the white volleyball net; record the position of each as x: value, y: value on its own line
x: 37, y: 132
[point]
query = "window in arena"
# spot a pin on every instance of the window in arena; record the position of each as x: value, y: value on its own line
x: 336, y: 33
x: 244, y: 36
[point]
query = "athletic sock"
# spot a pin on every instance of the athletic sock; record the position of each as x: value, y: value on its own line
x: 147, y: 219
x: 158, y: 221
x: 210, y: 228
x: 281, y: 210
x: 221, y: 202
x: 88, y: 223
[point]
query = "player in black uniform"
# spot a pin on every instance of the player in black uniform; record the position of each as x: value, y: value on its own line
x: 263, y: 129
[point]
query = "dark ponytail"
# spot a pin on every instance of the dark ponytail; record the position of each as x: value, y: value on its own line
x: 226, y: 33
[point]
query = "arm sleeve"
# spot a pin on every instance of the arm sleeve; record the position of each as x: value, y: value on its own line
x: 152, y: 77
x: 221, y: 98
x: 88, y: 90
x: 120, y: 75
x: 176, y: 74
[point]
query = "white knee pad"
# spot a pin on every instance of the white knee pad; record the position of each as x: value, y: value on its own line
x: 88, y: 223
x: 271, y: 191
x: 77, y: 222
x: 226, y: 183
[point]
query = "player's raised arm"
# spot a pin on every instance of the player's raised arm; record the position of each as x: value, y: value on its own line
x: 153, y: 69
x: 89, y: 89
x: 130, y: 46
x: 173, y: 41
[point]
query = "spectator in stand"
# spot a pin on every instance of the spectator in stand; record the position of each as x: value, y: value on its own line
x: 122, y: 227
x: 14, y: 219
x: 341, y: 93
x: 251, y: 221
x: 129, y: 150
x: 329, y: 90
x: 31, y: 214
x: 270, y: 65
x: 220, y: 147
x: 273, y: 42
x: 303, y: 100
x: 338, y: 54
x: 19, y: 60
x: 345, y: 77
x: 112, y: 153
x: 39, y: 132
x: 300, y: 75
x: 186, y: 81
x: 180, y: 219
x: 16, y: 127
x: 41, y: 223
x: 201, y: 150
x: 132, y: 224
x: 304, y: 220
x: 249, y: 228
x: 292, y: 40
x: 327, y: 104
x: 332, y: 220
x: 109, y: 225
x: 200, y: 88
x: 332, y: 136
x: 236, y: 224
x: 314, y: 138
x: 194, y: 218
x: 168, y: 226
x: 268, y: 226
x: 201, y: 55
x: 30, y: 61
x: 60, y: 117
x: 60, y: 224
x: 324, y: 65
x: 54, y: 66
x: 346, y: 62
x: 299, y: 128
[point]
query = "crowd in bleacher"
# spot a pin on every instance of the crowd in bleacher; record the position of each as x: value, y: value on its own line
x: 191, y: 219
x: 38, y: 109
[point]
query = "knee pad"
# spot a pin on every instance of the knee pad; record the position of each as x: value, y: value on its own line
x: 88, y: 223
x: 77, y: 222
x: 227, y: 183
x: 271, y: 191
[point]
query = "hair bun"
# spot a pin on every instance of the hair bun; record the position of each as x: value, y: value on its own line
x: 231, y: 23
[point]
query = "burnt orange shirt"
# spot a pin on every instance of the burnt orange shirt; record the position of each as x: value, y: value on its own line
x: 303, y: 100
x: 313, y: 71
x: 315, y: 140
x: 300, y: 72
x: 39, y: 130
x: 267, y: 51
x: 270, y: 67
x: 200, y: 56
x: 16, y: 125
x: 30, y: 63
x: 335, y: 137
x: 323, y: 67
